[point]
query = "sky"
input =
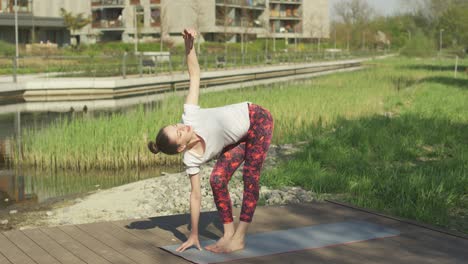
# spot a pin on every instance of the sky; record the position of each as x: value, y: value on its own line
x: 384, y: 7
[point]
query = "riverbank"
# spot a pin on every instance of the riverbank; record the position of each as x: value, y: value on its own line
x: 164, y: 195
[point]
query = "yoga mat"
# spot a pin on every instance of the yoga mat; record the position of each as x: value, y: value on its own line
x: 296, y: 239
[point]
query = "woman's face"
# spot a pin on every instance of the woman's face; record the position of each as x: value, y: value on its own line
x: 179, y: 134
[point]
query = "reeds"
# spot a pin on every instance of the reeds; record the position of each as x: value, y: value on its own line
x: 118, y: 140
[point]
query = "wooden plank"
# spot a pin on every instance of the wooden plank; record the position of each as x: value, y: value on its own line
x: 174, y: 229
x: 161, y: 231
x: 75, y: 247
x: 97, y: 246
x: 33, y: 250
x: 143, y: 245
x: 3, y: 259
x: 130, y: 250
x: 152, y: 238
x: 12, y: 252
x: 52, y: 247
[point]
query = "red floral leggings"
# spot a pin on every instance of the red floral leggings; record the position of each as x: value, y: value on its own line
x: 253, y: 150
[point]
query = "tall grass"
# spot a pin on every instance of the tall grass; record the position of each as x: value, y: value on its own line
x: 119, y: 140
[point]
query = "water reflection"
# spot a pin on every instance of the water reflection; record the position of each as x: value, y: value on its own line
x: 34, y: 186
x: 19, y: 185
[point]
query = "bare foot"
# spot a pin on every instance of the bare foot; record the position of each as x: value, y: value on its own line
x: 220, y: 243
x: 232, y: 245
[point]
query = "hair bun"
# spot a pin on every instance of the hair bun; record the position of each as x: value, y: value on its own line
x: 152, y: 147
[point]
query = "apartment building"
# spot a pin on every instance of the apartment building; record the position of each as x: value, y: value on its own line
x: 217, y: 20
x: 32, y: 27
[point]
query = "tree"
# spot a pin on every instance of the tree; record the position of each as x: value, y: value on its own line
x: 74, y: 22
x: 163, y: 26
x: 355, y: 15
x: 455, y: 23
x: 317, y: 27
x: 199, y: 13
x: 354, y: 12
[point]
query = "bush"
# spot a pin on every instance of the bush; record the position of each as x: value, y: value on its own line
x: 7, y: 49
x: 419, y: 46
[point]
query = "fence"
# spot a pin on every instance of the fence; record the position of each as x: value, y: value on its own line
x: 154, y: 63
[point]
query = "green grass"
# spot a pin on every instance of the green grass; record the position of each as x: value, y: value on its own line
x: 411, y: 163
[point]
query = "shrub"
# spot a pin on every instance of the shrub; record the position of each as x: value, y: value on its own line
x: 7, y: 49
x: 419, y: 46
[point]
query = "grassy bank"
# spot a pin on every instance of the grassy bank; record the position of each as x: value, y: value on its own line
x: 410, y: 162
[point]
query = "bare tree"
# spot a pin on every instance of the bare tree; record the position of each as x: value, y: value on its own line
x: 163, y: 25
x: 431, y: 9
x: 354, y: 12
x: 245, y: 25
x: 226, y: 23
x: 199, y: 13
x: 267, y: 29
x: 355, y: 16
x: 316, y: 25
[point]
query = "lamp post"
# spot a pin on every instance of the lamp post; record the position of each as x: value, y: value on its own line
x: 440, y: 39
x: 15, y: 79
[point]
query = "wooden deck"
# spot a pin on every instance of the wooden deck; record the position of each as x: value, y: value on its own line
x: 137, y: 241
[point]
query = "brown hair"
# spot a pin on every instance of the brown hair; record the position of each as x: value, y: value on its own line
x: 163, y: 144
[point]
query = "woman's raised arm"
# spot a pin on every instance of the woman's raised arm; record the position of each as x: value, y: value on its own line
x: 193, y: 67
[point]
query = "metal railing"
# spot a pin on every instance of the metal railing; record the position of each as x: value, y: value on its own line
x: 153, y: 63
x: 107, y: 2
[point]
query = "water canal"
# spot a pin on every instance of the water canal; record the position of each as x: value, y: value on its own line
x: 20, y: 185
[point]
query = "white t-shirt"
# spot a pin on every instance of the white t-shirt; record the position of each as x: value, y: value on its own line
x: 219, y: 127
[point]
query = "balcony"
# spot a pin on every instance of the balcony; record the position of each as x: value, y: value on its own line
x: 109, y: 24
x: 24, y: 6
x: 250, y: 4
x: 287, y: 2
x: 238, y: 23
x: 107, y: 3
x: 286, y: 14
x: 155, y: 2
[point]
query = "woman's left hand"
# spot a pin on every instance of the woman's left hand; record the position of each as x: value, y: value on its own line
x: 192, y: 241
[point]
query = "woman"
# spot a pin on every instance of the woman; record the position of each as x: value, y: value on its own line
x: 233, y: 134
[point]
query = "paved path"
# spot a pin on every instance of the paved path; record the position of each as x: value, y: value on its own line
x: 137, y: 241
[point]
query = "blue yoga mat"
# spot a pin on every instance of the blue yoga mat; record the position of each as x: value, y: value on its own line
x: 296, y: 239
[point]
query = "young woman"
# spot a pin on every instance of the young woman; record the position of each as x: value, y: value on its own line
x: 232, y: 134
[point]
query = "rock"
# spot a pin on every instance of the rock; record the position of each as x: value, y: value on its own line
x: 274, y: 198
x: 170, y: 194
x: 13, y: 211
x: 6, y: 200
x: 3, y: 222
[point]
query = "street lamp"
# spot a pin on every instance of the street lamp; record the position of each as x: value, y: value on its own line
x: 16, y: 42
x: 440, y: 39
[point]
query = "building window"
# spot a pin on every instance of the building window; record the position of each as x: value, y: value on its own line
x: 155, y: 17
x: 24, y: 6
